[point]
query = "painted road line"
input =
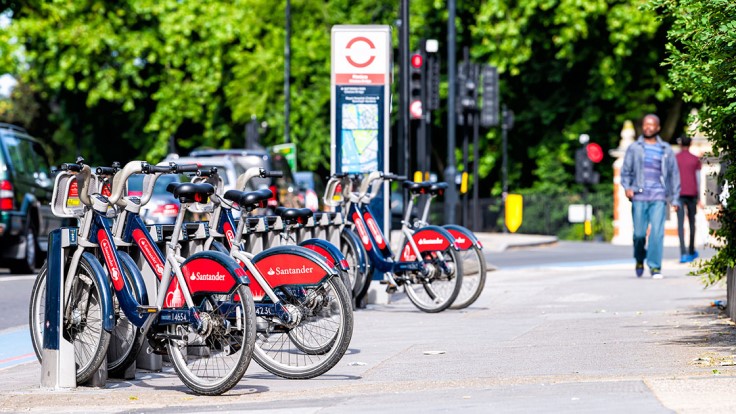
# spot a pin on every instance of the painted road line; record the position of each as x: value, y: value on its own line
x: 15, y: 278
x: 16, y: 347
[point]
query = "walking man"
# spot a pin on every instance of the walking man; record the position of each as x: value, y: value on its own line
x: 651, y: 180
x: 689, y: 166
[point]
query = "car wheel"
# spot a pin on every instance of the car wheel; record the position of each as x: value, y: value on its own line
x: 28, y: 263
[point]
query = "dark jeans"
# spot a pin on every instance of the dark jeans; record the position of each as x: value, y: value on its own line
x: 689, y: 203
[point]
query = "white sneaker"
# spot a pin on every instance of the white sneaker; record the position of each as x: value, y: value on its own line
x: 657, y: 276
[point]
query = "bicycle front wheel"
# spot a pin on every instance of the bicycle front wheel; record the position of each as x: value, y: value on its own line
x: 474, y: 277
x: 213, y: 360
x: 436, y: 290
x: 317, y: 342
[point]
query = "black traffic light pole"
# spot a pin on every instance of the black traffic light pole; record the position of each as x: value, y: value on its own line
x: 451, y: 194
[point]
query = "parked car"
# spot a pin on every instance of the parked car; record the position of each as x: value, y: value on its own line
x: 25, y: 196
x: 285, y: 190
x: 163, y: 206
x: 226, y: 168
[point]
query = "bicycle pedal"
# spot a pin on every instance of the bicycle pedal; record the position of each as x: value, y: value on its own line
x: 147, y: 309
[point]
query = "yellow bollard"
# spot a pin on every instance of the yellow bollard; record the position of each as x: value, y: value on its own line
x: 514, y: 211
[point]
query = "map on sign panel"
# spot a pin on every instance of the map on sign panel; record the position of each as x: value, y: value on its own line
x: 359, y: 137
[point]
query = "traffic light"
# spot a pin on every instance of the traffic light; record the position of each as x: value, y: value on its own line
x: 433, y: 83
x: 468, y: 86
x: 584, y: 159
x: 489, y: 97
x: 416, y: 103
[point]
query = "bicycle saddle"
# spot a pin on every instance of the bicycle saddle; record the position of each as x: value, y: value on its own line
x: 438, y: 188
x: 416, y: 188
x: 294, y: 215
x: 249, y: 200
x: 189, y: 192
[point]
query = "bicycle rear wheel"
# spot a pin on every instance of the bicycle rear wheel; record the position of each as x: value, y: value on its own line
x: 126, y: 339
x: 474, y: 277
x: 317, y: 342
x: 350, y: 249
x: 213, y: 361
x: 436, y: 291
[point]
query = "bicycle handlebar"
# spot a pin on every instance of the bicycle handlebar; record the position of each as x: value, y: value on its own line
x: 207, y: 173
x: 185, y: 168
x: 271, y: 174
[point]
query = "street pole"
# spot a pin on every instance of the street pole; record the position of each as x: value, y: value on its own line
x: 504, y: 159
x: 464, y: 200
x: 476, y: 163
x: 287, y: 73
x: 404, y: 130
x: 451, y: 194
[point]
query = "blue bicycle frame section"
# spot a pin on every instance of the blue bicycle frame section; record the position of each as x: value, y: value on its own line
x: 380, y: 254
x: 128, y: 303
x: 54, y: 279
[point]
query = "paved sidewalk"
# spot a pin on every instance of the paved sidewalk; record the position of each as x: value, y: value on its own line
x: 584, y: 339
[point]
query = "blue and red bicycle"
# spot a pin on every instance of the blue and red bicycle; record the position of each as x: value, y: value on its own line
x: 427, y: 268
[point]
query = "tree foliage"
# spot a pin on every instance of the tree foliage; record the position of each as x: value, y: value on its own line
x: 133, y: 73
x: 702, y: 62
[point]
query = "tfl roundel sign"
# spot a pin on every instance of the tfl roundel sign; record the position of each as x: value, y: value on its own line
x: 360, y: 57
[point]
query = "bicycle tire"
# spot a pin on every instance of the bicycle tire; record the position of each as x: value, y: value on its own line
x: 349, y: 249
x: 474, y: 277
x: 437, y: 291
x: 197, y: 359
x: 279, y: 354
x: 84, y: 329
x: 126, y: 339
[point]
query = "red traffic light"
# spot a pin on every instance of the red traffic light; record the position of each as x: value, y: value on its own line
x: 594, y: 151
x: 417, y: 60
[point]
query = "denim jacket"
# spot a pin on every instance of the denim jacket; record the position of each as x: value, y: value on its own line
x: 632, y: 173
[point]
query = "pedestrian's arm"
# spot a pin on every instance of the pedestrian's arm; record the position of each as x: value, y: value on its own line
x: 627, y: 174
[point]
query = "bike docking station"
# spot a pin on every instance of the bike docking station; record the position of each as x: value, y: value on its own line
x: 58, y: 370
x: 58, y: 367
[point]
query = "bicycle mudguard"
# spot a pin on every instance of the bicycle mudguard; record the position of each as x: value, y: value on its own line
x: 464, y: 237
x: 329, y: 251
x: 207, y: 272
x: 428, y: 239
x: 108, y: 322
x: 289, y: 265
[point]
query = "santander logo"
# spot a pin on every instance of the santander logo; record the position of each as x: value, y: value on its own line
x: 460, y: 240
x: 290, y: 271
x: 374, y: 230
x: 110, y: 260
x: 430, y: 241
x: 407, y: 254
x: 361, y: 231
x: 217, y: 277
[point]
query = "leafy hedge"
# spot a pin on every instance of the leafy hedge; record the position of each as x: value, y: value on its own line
x: 702, y: 61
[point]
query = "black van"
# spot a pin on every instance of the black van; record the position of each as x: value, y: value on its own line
x: 25, y: 195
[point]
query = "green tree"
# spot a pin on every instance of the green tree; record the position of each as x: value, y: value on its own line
x: 702, y: 61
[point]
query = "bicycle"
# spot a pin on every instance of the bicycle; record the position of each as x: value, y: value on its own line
x: 304, y: 322
x: 431, y: 275
x: 203, y: 316
x: 470, y: 252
